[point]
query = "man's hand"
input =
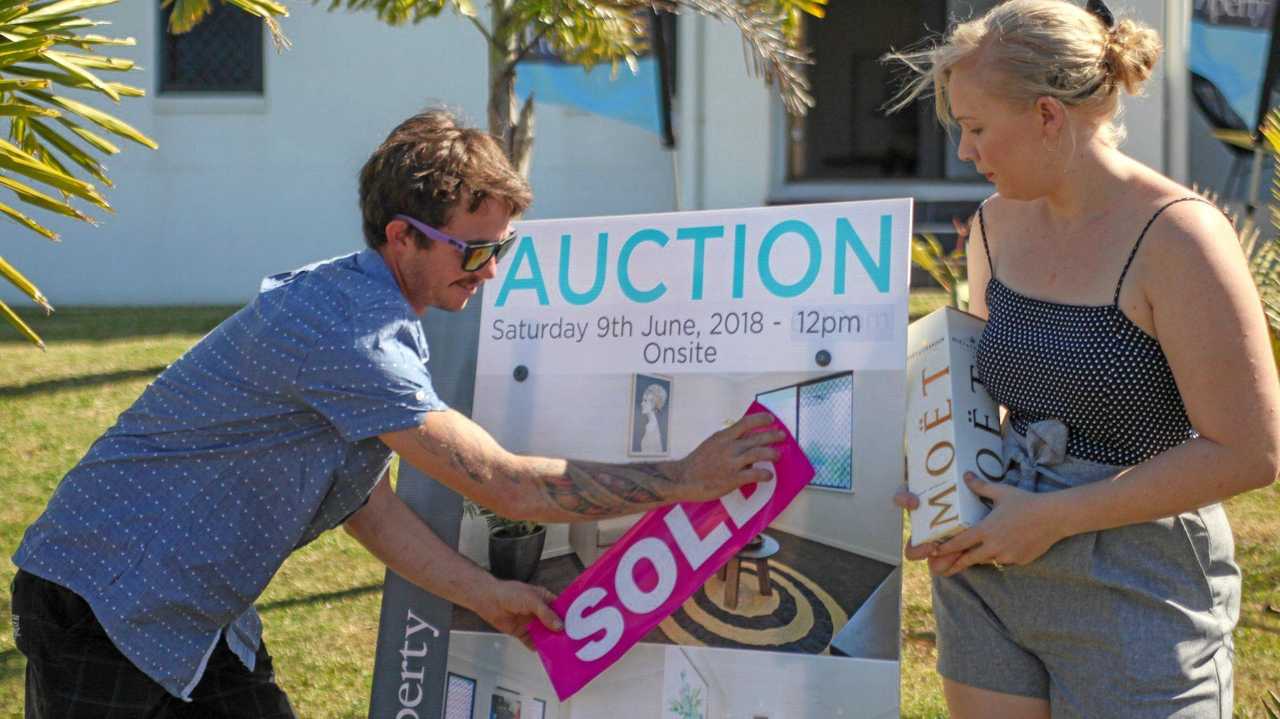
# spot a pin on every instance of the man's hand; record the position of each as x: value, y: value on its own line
x: 396, y: 535
x: 723, y: 462
x: 510, y: 606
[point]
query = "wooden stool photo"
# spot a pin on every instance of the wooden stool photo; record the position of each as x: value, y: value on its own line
x: 757, y: 553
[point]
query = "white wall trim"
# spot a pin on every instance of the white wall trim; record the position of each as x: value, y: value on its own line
x: 921, y: 190
x: 204, y: 103
x: 1177, y: 90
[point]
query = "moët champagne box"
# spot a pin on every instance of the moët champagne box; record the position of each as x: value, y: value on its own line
x: 953, y: 425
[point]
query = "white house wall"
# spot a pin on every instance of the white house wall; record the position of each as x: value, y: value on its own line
x: 724, y: 120
x: 242, y: 188
x: 1145, y: 116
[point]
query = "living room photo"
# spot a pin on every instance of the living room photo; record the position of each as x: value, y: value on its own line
x: 797, y: 587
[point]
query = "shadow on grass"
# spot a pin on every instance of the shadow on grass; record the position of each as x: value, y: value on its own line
x: 87, y: 380
x: 11, y: 659
x: 11, y: 663
x: 318, y: 598
x: 79, y: 324
x: 1260, y: 626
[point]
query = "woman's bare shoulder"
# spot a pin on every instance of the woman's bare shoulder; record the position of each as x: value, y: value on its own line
x: 1002, y: 213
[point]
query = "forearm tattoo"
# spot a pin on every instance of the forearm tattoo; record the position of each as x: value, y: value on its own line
x: 575, y: 488
x: 595, y: 489
x: 458, y: 450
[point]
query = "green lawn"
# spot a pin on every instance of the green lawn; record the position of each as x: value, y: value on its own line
x: 53, y: 405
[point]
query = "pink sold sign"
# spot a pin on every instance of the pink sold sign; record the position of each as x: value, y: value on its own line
x: 654, y: 568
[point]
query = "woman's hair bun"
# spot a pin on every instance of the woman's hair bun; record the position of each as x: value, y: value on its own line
x: 1131, y: 54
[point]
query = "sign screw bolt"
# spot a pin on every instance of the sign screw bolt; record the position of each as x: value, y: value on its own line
x: 521, y: 373
x: 823, y: 358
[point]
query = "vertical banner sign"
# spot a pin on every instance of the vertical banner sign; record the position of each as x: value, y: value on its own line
x: 1231, y: 42
x: 633, y: 339
x: 632, y: 95
x: 413, y: 632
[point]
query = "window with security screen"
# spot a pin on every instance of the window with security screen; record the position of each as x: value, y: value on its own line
x: 782, y: 402
x: 819, y: 413
x: 459, y: 697
x: 221, y: 54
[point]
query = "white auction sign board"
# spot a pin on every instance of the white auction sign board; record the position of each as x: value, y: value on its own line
x: 703, y: 291
x: 633, y: 338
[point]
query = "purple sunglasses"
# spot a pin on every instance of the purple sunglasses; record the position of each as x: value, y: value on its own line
x: 475, y: 255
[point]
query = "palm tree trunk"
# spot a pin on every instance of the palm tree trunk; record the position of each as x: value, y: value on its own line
x: 514, y: 131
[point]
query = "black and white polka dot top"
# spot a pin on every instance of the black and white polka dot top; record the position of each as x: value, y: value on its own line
x: 1087, y: 365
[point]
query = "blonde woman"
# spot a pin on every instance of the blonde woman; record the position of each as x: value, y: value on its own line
x: 1126, y: 340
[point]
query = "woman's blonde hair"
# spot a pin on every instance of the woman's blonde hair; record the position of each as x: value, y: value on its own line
x: 1040, y: 48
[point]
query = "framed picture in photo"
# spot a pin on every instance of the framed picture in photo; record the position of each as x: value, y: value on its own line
x: 684, y: 691
x: 504, y: 704
x: 650, y: 416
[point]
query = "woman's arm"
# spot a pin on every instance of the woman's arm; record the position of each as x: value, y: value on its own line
x: 1210, y: 324
x: 978, y: 271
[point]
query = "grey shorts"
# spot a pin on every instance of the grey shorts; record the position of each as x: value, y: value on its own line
x: 1130, y: 622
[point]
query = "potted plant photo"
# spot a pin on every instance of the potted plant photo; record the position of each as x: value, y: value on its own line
x: 515, y: 545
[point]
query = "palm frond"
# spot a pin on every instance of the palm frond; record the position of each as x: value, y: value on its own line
x: 45, y: 49
x: 28, y: 222
x: 63, y: 9
x: 188, y: 13
x: 96, y: 116
x: 614, y: 32
x: 496, y: 522
x: 13, y: 319
x: 1262, y: 253
x: 400, y: 12
x: 948, y: 269
x: 17, y: 279
x: 770, y: 33
x: 1271, y: 704
x: 586, y: 34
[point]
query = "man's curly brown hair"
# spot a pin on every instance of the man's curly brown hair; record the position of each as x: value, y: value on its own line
x: 428, y: 167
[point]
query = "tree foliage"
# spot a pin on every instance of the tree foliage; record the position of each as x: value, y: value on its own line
x: 188, y: 13
x: 50, y: 160
x: 584, y: 32
x: 1262, y: 250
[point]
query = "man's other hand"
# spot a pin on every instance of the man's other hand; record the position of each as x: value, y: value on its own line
x: 723, y: 462
x: 510, y: 606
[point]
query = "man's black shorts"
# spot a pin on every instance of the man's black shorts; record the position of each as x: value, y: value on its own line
x: 75, y: 672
